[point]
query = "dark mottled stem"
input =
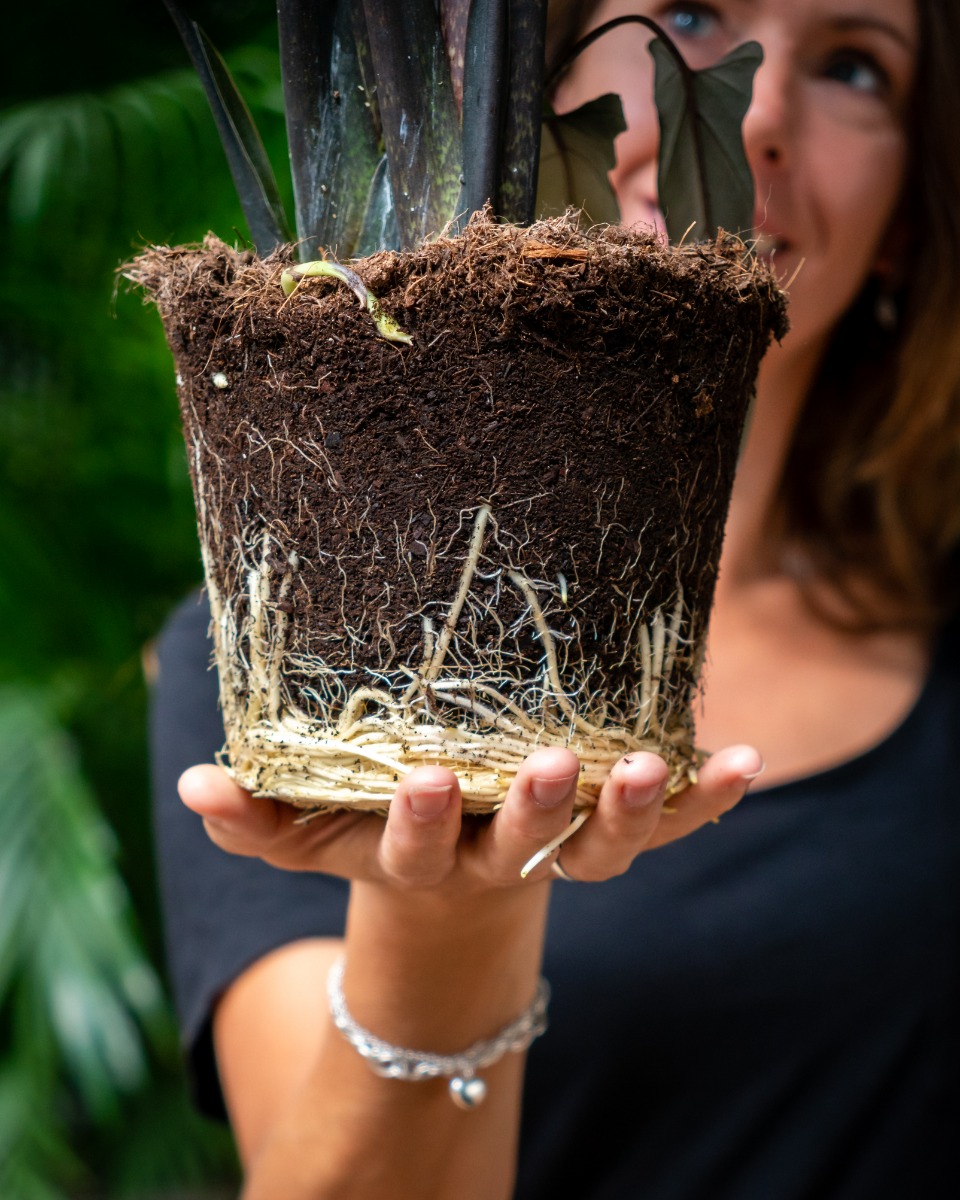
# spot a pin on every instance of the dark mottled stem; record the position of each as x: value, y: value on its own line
x: 520, y: 146
x: 332, y: 120
x: 306, y: 36
x: 453, y: 25
x: 485, y: 96
x: 421, y: 126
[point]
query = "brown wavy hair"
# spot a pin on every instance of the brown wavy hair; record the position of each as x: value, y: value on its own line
x: 870, y: 495
x: 871, y: 487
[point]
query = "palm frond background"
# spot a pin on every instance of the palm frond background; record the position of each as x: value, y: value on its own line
x: 98, y: 542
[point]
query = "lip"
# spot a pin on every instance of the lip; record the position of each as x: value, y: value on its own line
x: 769, y: 236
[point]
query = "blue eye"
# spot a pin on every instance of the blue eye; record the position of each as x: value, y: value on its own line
x: 690, y: 20
x: 858, y: 71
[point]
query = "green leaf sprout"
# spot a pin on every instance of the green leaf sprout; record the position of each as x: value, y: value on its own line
x: 291, y: 279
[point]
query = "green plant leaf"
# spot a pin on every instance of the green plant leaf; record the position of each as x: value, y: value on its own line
x: 576, y: 156
x: 704, y: 182
x: 249, y: 165
x: 36, y: 1158
x: 67, y: 950
x: 144, y: 164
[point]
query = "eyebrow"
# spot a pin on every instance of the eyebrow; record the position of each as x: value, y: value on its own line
x: 852, y: 22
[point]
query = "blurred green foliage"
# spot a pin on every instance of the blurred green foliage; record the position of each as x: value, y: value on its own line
x: 98, y: 543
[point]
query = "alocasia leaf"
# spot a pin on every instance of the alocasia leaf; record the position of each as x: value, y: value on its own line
x: 251, y: 170
x: 704, y: 182
x: 576, y: 156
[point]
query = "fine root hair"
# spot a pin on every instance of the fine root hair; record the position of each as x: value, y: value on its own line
x: 300, y: 730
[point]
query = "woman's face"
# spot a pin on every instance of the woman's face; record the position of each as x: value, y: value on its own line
x: 825, y: 133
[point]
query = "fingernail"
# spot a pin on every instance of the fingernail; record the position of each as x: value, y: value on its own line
x: 751, y: 775
x: 638, y: 795
x: 430, y: 800
x: 548, y: 793
x: 220, y: 824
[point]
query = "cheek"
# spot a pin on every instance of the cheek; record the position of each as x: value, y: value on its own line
x: 846, y: 197
x: 858, y: 195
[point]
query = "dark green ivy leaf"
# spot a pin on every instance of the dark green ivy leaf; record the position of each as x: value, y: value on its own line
x: 704, y: 182
x: 251, y: 170
x: 576, y: 156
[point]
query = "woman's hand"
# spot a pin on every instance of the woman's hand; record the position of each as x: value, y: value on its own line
x: 426, y: 843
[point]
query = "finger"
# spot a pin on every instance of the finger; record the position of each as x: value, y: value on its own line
x: 236, y: 821
x: 624, y: 821
x: 343, y: 843
x: 721, y: 784
x: 537, y: 808
x: 419, y: 845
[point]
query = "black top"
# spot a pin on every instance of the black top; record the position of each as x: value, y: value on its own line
x: 768, y: 1009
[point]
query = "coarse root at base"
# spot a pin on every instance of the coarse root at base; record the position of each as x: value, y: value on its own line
x: 452, y: 711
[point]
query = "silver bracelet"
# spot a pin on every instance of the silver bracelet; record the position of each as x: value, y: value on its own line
x: 467, y: 1089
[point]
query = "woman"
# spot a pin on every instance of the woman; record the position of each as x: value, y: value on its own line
x: 768, y: 1007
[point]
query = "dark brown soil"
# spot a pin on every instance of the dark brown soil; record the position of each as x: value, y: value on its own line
x: 590, y: 387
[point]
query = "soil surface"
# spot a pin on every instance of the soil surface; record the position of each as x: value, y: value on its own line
x: 590, y: 387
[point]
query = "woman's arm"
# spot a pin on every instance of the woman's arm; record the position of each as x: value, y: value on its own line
x: 311, y: 1117
x: 443, y: 947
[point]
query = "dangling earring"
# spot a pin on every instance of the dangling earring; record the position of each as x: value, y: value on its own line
x: 885, y: 311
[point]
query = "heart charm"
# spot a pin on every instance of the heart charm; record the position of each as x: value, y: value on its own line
x: 467, y: 1093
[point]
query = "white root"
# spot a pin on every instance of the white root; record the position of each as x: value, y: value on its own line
x: 468, y: 707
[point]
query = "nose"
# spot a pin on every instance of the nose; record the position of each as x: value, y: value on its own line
x: 766, y: 127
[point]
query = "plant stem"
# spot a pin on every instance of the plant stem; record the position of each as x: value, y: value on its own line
x: 520, y: 145
x: 306, y: 35
x: 453, y: 25
x: 485, y: 75
x: 421, y: 125
x: 595, y: 34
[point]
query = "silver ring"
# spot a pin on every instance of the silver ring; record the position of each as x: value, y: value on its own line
x: 560, y: 873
